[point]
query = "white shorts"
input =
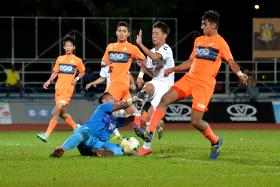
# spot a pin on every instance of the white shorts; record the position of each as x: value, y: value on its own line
x: 160, y: 88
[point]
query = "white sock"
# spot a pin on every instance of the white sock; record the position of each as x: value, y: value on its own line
x: 137, y: 112
x: 117, y: 133
x: 147, y: 145
x: 147, y: 124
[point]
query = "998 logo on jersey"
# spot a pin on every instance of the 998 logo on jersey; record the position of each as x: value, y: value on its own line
x: 67, y: 68
x: 119, y: 57
x: 206, y: 53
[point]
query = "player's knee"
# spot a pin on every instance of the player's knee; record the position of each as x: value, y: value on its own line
x: 196, y: 123
x: 56, y: 112
x: 149, y: 89
x: 165, y: 101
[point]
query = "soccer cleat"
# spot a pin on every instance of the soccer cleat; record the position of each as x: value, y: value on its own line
x: 57, y: 153
x: 160, y: 129
x: 42, y: 136
x: 215, y: 149
x: 103, y: 152
x: 144, y: 134
x: 143, y: 151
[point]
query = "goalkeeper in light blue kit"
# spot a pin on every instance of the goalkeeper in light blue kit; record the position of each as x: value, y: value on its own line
x: 92, y: 138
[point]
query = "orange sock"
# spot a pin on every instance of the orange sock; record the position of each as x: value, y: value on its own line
x: 209, y: 134
x: 69, y: 121
x: 144, y: 116
x: 155, y: 119
x: 51, y: 126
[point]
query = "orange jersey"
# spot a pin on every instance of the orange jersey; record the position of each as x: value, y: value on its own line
x: 207, y: 56
x: 66, y: 66
x: 119, y: 56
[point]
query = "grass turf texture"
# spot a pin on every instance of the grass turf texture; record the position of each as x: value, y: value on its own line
x: 181, y: 158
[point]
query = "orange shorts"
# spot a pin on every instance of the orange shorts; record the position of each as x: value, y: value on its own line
x: 63, y: 96
x: 200, y: 91
x: 118, y: 91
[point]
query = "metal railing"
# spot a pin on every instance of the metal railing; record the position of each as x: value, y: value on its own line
x: 34, y: 73
x: 43, y: 35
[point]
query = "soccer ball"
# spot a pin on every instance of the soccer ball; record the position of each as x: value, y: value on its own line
x: 130, y: 145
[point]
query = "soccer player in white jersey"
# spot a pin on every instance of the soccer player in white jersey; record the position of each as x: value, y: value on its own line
x: 159, y: 58
x: 105, y: 76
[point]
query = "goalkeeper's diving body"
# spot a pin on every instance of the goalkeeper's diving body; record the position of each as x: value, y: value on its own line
x: 92, y: 138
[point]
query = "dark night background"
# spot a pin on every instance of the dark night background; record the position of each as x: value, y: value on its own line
x: 235, y: 23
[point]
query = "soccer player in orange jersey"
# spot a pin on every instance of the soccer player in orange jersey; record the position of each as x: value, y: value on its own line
x: 119, y: 56
x: 199, y: 82
x: 65, y: 69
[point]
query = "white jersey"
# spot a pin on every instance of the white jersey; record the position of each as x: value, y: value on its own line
x: 104, y: 72
x: 166, y: 62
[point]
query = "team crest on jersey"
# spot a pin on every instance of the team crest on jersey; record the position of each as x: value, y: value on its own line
x: 72, y: 61
x: 206, y: 53
x: 67, y: 68
x: 119, y: 57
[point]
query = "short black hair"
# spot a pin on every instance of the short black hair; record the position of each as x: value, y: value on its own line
x: 101, y: 97
x: 211, y: 16
x: 122, y: 23
x: 69, y: 39
x: 163, y: 26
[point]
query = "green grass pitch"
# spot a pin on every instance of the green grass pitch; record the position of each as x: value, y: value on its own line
x: 181, y: 158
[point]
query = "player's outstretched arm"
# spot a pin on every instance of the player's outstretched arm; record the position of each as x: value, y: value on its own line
x: 154, y: 56
x: 124, y: 104
x: 236, y: 69
x: 96, y: 82
x: 182, y: 67
x: 144, y: 68
x: 52, y: 77
x: 122, y: 122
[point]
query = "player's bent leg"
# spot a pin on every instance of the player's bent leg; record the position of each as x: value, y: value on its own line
x: 80, y: 135
x: 205, y: 129
x: 53, y: 122
x: 142, y: 98
x: 68, y: 118
x: 169, y: 97
x: 85, y: 150
x: 203, y: 126
x: 197, y: 122
x: 108, y: 149
x: 115, y: 148
x: 144, y: 95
